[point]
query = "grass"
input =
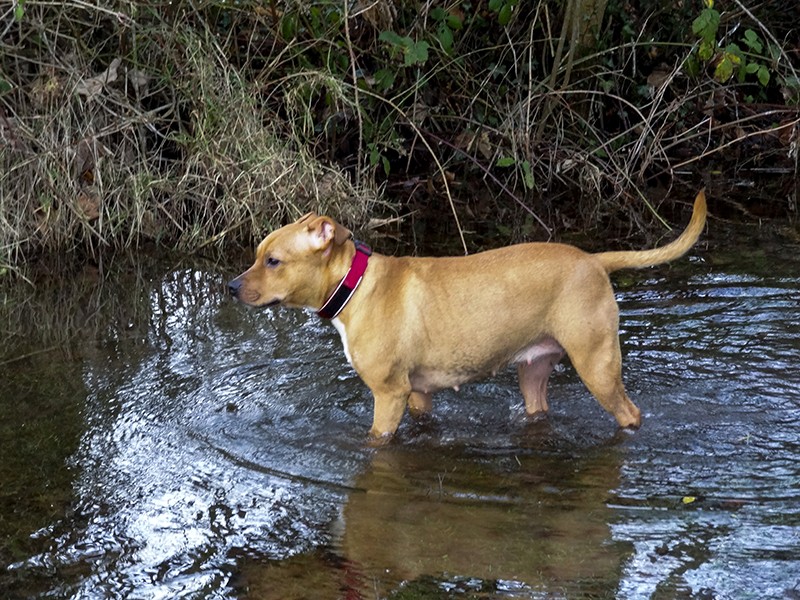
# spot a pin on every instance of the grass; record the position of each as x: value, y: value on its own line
x: 199, y: 129
x: 166, y: 144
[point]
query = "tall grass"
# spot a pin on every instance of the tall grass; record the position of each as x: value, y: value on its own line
x: 201, y: 124
x: 127, y: 127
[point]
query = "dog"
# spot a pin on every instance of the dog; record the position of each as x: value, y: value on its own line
x: 412, y: 325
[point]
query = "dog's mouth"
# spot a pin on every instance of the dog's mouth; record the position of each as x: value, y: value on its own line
x: 272, y: 303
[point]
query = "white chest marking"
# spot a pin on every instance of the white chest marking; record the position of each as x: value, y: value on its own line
x: 343, y: 334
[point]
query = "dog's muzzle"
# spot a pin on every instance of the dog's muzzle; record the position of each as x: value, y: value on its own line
x: 235, y: 290
x: 234, y: 286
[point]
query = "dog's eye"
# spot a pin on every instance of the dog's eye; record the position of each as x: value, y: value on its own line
x: 272, y: 262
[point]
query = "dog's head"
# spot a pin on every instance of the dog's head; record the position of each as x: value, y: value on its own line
x: 290, y: 266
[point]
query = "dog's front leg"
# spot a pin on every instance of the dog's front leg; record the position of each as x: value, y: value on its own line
x: 390, y: 404
x: 419, y: 404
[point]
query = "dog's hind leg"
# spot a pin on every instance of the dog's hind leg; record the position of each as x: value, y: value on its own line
x: 599, y: 365
x: 533, y: 378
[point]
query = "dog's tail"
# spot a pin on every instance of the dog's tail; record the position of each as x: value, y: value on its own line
x: 613, y: 261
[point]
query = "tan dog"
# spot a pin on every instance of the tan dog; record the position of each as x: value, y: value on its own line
x: 412, y: 326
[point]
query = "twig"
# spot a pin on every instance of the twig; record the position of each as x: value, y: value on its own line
x: 736, y: 141
x: 354, y: 75
x: 768, y: 33
x: 435, y: 158
x: 491, y: 175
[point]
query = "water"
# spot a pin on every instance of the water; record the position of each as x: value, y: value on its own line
x: 160, y: 441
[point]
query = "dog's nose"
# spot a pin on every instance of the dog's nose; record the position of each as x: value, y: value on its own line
x: 233, y: 287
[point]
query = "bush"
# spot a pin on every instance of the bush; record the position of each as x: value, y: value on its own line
x: 204, y: 123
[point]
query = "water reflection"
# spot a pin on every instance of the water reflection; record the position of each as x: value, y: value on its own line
x: 219, y: 452
x: 520, y: 519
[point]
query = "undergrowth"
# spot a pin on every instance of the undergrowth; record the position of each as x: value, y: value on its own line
x: 202, y: 124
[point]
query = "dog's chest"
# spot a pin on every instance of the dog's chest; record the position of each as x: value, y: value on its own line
x: 343, y: 334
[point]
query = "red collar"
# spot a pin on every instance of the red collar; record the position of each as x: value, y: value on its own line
x: 347, y: 286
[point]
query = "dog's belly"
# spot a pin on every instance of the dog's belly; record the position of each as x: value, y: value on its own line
x: 430, y: 379
x: 545, y: 347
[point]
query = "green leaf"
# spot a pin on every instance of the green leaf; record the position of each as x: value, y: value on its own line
x: 724, y: 70
x: 527, y: 174
x: 288, y: 27
x: 706, y: 24
x: 751, y: 41
x: 374, y: 154
x: 384, y: 79
x: 416, y: 53
x: 454, y: 22
x: 5, y: 86
x: 445, y: 38
x: 763, y: 75
x: 752, y: 68
x: 504, y: 16
x: 734, y: 53
x: 19, y: 11
x: 438, y: 14
x: 391, y: 37
x: 496, y: 5
x: 692, y: 66
x: 505, y: 161
x: 707, y: 50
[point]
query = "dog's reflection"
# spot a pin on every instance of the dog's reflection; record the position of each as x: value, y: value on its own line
x: 536, y: 518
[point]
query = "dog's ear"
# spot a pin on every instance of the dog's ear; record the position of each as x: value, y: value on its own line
x: 341, y: 234
x: 325, y: 230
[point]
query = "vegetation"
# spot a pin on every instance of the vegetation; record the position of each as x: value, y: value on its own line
x: 200, y: 124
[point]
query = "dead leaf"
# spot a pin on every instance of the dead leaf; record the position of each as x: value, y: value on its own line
x: 92, y: 87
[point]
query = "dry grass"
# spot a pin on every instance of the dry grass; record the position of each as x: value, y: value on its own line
x: 199, y: 125
x: 145, y: 132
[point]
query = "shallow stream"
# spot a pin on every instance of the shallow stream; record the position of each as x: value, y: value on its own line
x: 160, y: 441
